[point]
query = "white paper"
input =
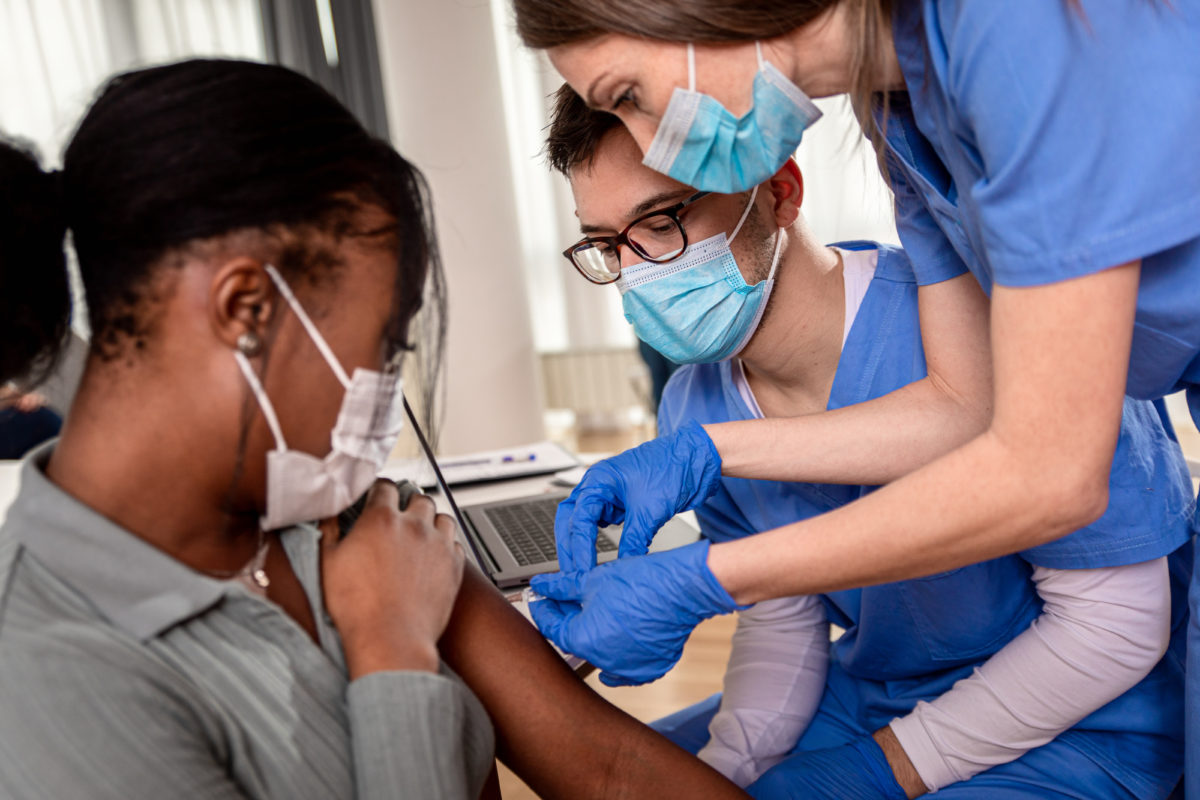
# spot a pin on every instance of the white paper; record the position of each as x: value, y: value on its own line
x: 493, y: 465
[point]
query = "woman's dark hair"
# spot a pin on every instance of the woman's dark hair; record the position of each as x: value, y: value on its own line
x: 180, y: 153
x: 35, y: 303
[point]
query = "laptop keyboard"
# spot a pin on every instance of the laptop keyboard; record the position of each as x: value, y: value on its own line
x: 527, y: 529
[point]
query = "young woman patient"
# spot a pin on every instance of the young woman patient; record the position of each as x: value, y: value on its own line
x: 171, y: 625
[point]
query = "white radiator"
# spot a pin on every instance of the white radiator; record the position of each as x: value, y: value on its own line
x: 595, y: 382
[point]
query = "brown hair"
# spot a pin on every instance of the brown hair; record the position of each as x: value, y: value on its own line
x: 544, y: 24
x: 575, y: 131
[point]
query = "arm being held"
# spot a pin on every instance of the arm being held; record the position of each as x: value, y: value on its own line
x: 562, y: 738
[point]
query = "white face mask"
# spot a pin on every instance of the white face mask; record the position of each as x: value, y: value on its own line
x: 302, y: 487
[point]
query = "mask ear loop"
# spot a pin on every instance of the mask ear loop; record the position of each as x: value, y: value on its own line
x: 313, y: 333
x: 264, y: 402
x: 691, y: 67
x: 758, y: 51
x: 775, y: 257
x: 737, y: 229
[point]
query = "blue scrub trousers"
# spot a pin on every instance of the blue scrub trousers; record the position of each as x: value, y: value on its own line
x: 1056, y: 770
x: 1191, y: 773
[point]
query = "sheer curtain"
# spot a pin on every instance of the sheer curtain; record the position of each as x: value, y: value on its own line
x: 54, y: 54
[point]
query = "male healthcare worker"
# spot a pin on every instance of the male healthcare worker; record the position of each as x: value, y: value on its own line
x: 734, y: 274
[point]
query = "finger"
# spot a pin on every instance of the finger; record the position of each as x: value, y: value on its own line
x: 613, y: 679
x: 329, y: 532
x: 406, y: 490
x: 422, y: 506
x: 636, y: 536
x: 554, y: 621
x: 590, y: 514
x: 446, y: 525
x: 383, y: 493
x: 560, y: 585
x: 563, y: 543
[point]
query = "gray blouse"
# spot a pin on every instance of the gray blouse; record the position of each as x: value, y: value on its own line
x: 125, y: 674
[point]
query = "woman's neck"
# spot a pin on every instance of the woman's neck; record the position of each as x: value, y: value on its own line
x: 135, y: 458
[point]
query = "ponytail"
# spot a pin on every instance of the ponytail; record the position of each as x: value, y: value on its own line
x: 35, y: 303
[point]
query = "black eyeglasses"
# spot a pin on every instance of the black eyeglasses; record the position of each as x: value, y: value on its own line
x: 657, y: 237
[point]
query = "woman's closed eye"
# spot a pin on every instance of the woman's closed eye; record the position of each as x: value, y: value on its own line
x: 625, y: 97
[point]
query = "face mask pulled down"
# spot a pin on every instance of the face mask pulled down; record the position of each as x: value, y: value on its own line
x: 302, y: 487
x: 702, y: 144
x: 697, y: 309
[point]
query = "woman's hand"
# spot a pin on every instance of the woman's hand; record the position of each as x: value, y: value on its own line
x: 390, y: 584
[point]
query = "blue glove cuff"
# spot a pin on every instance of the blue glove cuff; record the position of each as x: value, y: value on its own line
x: 707, y: 461
x: 876, y: 766
x: 720, y: 601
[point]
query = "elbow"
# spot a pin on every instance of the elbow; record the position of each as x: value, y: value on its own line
x: 971, y: 408
x: 1062, y: 498
x: 1080, y: 500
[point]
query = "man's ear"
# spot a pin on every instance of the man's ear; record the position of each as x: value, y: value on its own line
x: 241, y: 299
x: 787, y: 191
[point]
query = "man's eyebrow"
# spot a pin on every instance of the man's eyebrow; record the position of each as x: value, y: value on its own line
x: 660, y: 200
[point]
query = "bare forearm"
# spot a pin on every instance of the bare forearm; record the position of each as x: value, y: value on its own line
x: 869, y: 443
x: 562, y: 738
x: 1040, y: 471
x: 981, y: 501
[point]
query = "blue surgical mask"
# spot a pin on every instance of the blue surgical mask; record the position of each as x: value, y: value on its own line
x: 697, y: 308
x: 701, y: 144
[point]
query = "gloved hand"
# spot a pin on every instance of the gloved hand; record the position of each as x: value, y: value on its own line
x: 643, y: 487
x: 631, y: 617
x: 854, y: 771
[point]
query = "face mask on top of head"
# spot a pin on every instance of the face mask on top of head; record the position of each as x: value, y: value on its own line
x: 697, y: 308
x: 302, y: 487
x: 701, y: 144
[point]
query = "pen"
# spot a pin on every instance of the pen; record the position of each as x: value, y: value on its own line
x: 474, y: 462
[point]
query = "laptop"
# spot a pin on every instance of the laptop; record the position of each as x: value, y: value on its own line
x: 513, y: 539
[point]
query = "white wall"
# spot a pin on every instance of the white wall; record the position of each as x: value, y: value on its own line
x: 468, y: 105
x: 446, y: 113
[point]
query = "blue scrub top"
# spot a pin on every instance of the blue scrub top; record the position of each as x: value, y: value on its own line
x: 1038, y: 143
x: 911, y: 640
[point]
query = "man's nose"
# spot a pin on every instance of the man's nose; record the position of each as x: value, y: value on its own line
x: 629, y: 256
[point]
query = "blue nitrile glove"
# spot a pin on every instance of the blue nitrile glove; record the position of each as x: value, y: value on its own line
x: 855, y: 771
x: 631, y: 617
x: 643, y: 487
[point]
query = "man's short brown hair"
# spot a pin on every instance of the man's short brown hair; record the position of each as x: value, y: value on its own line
x: 575, y: 131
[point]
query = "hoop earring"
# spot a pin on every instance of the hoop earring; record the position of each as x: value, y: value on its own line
x: 249, y: 344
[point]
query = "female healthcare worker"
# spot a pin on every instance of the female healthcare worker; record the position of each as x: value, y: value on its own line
x: 1047, y: 147
x: 949, y: 656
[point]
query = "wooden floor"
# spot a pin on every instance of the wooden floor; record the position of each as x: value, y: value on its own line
x: 697, y: 676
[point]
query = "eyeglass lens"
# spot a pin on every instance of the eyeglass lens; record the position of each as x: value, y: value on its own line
x: 656, y: 238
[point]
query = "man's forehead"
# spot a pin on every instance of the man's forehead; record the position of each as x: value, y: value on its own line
x: 616, y: 187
